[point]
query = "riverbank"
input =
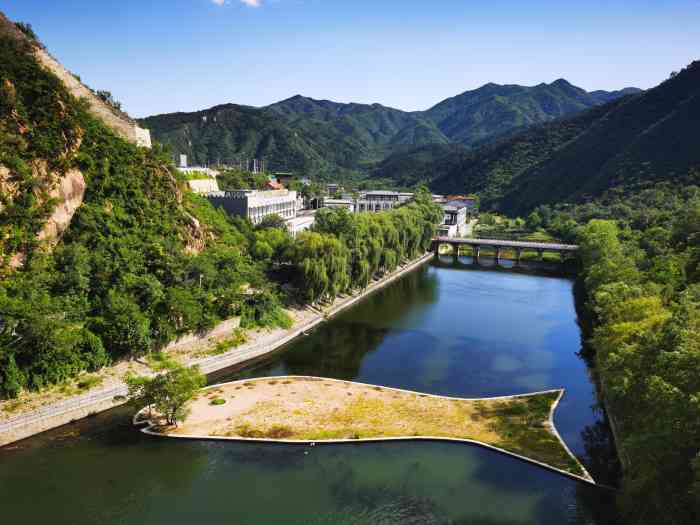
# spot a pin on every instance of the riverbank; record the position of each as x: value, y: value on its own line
x: 33, y: 413
x: 301, y: 409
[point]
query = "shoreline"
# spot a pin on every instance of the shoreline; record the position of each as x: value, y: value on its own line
x: 584, y: 477
x: 67, y: 410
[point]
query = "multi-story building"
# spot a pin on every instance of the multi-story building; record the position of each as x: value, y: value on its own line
x: 301, y: 222
x: 345, y: 203
x: 454, y: 223
x: 380, y: 200
x: 256, y: 205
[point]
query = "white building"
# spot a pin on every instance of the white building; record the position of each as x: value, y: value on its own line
x: 454, y: 222
x: 380, y: 200
x: 199, y: 170
x: 203, y: 186
x: 256, y: 205
x: 348, y: 204
x: 300, y: 223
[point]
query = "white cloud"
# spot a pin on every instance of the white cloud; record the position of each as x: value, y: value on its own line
x: 249, y: 3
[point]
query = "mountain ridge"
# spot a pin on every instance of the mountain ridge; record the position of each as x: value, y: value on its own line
x: 631, y: 142
x: 324, y: 137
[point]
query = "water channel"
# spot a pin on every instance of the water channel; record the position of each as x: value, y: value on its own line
x: 447, y: 328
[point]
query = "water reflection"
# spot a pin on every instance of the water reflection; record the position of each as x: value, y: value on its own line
x: 447, y: 328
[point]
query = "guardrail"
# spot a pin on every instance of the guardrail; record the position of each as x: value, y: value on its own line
x: 207, y: 365
x: 508, y: 244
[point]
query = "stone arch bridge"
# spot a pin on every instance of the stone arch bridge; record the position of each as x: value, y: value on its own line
x: 564, y: 250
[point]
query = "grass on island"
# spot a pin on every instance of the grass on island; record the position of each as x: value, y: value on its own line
x: 312, y: 409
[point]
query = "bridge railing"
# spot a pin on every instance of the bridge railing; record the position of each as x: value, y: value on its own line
x: 525, y: 245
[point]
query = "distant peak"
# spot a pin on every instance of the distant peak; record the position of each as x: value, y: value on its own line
x: 562, y: 82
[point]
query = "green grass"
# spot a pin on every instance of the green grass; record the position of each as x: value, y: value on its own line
x: 238, y: 338
x: 159, y: 361
x: 88, y: 382
x: 217, y: 401
x: 520, y: 426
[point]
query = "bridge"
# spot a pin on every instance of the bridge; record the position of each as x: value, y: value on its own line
x: 564, y: 250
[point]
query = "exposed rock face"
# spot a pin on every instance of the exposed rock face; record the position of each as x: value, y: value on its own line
x: 116, y: 120
x: 197, y: 236
x: 7, y: 186
x: 69, y: 195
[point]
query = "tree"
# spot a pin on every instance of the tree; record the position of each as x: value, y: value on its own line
x: 272, y: 221
x: 168, y: 392
x: 534, y: 221
x: 125, y: 328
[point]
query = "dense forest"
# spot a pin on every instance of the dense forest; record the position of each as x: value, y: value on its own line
x: 641, y: 301
x: 346, y: 251
x: 339, y: 141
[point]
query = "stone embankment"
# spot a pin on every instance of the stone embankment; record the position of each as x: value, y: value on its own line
x: 77, y: 407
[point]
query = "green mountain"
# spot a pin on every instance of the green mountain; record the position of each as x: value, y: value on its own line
x: 488, y: 170
x: 231, y: 132
x: 103, y: 252
x: 644, y: 139
x: 324, y: 137
x: 478, y: 116
x: 636, y: 140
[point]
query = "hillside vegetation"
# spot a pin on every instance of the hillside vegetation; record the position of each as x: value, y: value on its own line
x: 641, y: 281
x: 326, y: 138
x: 490, y: 170
x: 141, y: 260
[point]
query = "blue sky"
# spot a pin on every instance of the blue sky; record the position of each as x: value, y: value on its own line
x: 160, y: 56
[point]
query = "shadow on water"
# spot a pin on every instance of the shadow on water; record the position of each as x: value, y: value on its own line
x: 533, y: 267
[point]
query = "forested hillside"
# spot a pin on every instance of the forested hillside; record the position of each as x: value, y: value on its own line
x: 231, y: 132
x: 648, y: 138
x: 489, y: 170
x: 140, y: 261
x: 632, y: 142
x: 321, y: 137
x: 639, y: 298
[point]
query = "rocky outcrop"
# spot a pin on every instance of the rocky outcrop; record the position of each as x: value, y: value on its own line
x: 117, y: 121
x: 68, y: 194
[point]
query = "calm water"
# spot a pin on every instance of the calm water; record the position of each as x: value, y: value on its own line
x: 442, y: 329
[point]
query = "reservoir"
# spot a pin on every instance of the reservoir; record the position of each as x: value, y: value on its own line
x: 447, y: 328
